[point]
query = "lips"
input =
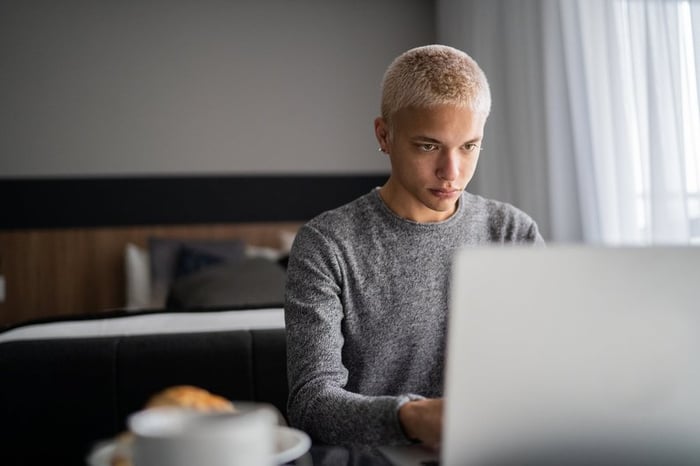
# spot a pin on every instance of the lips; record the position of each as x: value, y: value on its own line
x: 445, y: 193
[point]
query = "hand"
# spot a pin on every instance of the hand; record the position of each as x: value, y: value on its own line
x: 422, y: 420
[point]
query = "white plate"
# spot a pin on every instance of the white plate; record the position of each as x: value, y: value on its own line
x: 289, y: 445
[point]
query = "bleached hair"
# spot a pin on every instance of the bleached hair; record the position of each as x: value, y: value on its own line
x: 432, y: 75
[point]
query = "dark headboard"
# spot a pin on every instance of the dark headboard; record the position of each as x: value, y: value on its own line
x: 100, y: 202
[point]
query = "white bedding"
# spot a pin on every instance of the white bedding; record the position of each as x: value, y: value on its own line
x: 158, y: 323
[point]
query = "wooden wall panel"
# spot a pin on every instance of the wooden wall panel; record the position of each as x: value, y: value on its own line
x: 57, y: 272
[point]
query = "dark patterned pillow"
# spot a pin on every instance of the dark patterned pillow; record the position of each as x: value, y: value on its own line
x: 191, y: 260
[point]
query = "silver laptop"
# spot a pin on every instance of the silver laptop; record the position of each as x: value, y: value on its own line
x: 573, y: 355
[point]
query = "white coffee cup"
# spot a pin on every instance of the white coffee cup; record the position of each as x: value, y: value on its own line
x: 179, y: 437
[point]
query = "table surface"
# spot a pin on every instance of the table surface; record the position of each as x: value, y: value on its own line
x: 363, y: 455
x: 321, y: 455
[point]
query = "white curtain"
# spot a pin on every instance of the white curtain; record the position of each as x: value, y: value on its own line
x: 630, y: 67
x: 614, y: 85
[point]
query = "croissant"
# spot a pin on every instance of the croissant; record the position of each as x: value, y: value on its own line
x: 188, y: 396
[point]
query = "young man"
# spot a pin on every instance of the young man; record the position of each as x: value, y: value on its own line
x: 367, y: 287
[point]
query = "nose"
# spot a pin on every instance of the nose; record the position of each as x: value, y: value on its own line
x: 448, y: 166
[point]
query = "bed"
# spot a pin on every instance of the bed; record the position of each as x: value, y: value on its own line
x: 77, y: 246
x: 76, y: 271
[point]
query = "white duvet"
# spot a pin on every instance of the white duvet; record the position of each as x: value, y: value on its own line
x: 166, y: 322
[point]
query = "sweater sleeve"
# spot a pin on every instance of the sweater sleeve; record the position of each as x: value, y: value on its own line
x: 534, y: 236
x: 318, y: 402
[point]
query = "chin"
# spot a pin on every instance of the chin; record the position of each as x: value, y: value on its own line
x: 442, y: 208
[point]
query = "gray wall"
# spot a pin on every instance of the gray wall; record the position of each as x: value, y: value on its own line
x: 198, y: 87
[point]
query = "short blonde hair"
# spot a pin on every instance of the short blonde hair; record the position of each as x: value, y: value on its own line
x: 433, y: 75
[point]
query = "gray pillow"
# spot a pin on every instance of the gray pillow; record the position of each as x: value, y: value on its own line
x: 253, y: 282
x: 163, y: 255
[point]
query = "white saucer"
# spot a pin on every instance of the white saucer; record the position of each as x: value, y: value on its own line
x: 290, y: 444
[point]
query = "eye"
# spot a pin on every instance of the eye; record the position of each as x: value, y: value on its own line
x: 472, y: 147
x: 427, y: 147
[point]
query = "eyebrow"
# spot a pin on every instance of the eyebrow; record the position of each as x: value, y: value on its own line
x: 435, y: 141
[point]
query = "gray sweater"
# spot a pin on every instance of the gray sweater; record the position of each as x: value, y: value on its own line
x: 366, y: 308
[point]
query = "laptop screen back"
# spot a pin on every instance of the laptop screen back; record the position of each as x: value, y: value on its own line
x: 579, y: 349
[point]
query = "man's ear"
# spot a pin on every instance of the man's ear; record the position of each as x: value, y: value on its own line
x: 381, y: 131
